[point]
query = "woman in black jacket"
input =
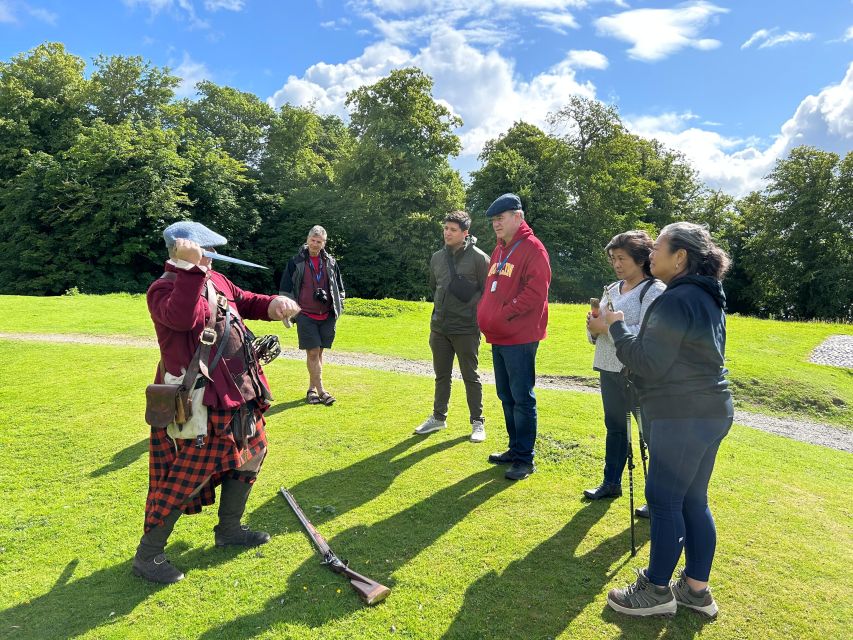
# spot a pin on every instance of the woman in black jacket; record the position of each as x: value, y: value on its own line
x: 677, y: 362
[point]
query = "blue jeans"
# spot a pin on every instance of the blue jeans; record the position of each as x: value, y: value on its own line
x: 682, y: 452
x: 515, y: 375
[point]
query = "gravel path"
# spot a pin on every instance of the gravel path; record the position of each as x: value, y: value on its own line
x: 805, y: 431
x: 835, y: 351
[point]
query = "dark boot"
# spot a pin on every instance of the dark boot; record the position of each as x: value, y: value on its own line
x: 604, y: 490
x: 232, y: 504
x: 150, y: 560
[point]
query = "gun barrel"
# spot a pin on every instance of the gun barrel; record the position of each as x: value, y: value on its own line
x: 370, y: 591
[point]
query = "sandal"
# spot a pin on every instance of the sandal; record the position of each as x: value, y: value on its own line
x: 311, y: 397
x: 327, y: 399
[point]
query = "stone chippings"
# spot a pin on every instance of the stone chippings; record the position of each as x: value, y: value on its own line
x: 835, y: 351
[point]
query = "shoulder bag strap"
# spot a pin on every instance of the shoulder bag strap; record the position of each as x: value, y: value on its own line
x: 208, y: 337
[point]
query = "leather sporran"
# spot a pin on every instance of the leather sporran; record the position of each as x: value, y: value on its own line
x: 195, y: 423
x: 166, y: 404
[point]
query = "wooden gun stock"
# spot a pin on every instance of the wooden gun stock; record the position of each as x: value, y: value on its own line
x: 370, y: 591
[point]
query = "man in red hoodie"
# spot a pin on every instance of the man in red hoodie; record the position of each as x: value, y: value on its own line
x: 513, y: 315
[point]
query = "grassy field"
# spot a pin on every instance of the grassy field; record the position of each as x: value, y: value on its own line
x: 767, y: 359
x: 466, y: 553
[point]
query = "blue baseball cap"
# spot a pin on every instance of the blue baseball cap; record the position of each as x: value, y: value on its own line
x: 194, y: 231
x: 506, y: 202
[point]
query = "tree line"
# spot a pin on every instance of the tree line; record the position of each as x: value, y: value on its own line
x: 93, y: 167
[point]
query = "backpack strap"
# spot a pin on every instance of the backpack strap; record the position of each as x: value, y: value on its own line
x: 649, y: 283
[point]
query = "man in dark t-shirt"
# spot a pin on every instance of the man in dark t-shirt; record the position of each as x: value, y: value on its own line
x: 313, y: 279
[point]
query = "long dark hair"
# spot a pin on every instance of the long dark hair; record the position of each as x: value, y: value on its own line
x: 704, y: 257
x: 636, y: 244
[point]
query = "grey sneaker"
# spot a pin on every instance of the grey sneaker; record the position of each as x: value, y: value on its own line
x: 430, y: 424
x: 643, y: 598
x: 701, y: 601
x: 478, y: 431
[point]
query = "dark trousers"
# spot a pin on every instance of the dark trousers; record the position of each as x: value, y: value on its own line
x: 616, y: 402
x: 465, y: 348
x: 515, y: 375
x: 682, y: 452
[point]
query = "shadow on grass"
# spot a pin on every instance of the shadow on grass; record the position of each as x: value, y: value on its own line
x: 279, y: 407
x: 344, y: 489
x: 74, y: 607
x: 123, y: 458
x: 107, y: 595
x: 311, y: 597
x: 539, y: 595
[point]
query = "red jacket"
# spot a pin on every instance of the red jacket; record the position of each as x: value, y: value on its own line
x: 515, y: 310
x: 180, y: 312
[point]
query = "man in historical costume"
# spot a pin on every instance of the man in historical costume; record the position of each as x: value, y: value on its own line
x: 184, y: 471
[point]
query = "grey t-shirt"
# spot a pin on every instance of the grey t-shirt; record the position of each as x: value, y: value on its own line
x: 628, y: 303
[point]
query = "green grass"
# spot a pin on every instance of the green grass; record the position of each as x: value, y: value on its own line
x: 767, y: 359
x: 466, y: 554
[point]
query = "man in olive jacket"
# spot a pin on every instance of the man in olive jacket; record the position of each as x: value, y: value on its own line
x: 453, y: 328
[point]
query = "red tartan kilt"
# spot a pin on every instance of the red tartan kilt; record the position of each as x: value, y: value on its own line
x: 177, y: 467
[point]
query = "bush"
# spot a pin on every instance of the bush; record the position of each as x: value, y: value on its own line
x: 385, y: 308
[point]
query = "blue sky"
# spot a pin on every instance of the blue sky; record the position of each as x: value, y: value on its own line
x: 733, y: 85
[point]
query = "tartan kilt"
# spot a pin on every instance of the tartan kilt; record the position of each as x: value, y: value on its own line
x: 177, y: 467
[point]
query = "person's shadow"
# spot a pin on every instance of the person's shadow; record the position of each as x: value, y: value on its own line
x: 123, y: 458
x: 539, y: 595
x: 94, y: 601
x: 72, y: 608
x: 381, y: 549
x: 341, y: 490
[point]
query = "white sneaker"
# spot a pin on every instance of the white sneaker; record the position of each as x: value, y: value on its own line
x: 478, y: 431
x: 430, y: 424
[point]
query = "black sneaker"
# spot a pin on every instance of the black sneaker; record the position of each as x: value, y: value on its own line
x: 519, y: 471
x: 642, y: 512
x: 502, y: 458
x: 604, y: 490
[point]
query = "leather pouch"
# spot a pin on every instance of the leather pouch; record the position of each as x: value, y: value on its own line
x: 166, y: 403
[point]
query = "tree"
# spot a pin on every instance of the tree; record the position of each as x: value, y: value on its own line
x: 42, y: 105
x: 397, y: 184
x: 240, y: 122
x: 800, y: 259
x: 123, y: 88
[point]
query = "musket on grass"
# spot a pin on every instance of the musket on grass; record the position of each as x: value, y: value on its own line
x: 369, y: 591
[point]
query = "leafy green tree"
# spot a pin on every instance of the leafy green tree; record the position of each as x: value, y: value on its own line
x: 800, y: 258
x: 42, y: 105
x: 240, y: 122
x: 127, y: 87
x: 397, y: 184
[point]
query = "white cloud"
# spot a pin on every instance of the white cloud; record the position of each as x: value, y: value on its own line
x: 769, y: 38
x: 9, y: 12
x: 191, y: 72
x: 656, y: 33
x: 558, y: 22
x: 6, y: 14
x: 586, y: 59
x: 228, y: 5
x: 738, y: 166
x: 483, y: 88
x: 848, y: 35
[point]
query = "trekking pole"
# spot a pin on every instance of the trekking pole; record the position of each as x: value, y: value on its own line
x: 643, y: 453
x: 631, y: 481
